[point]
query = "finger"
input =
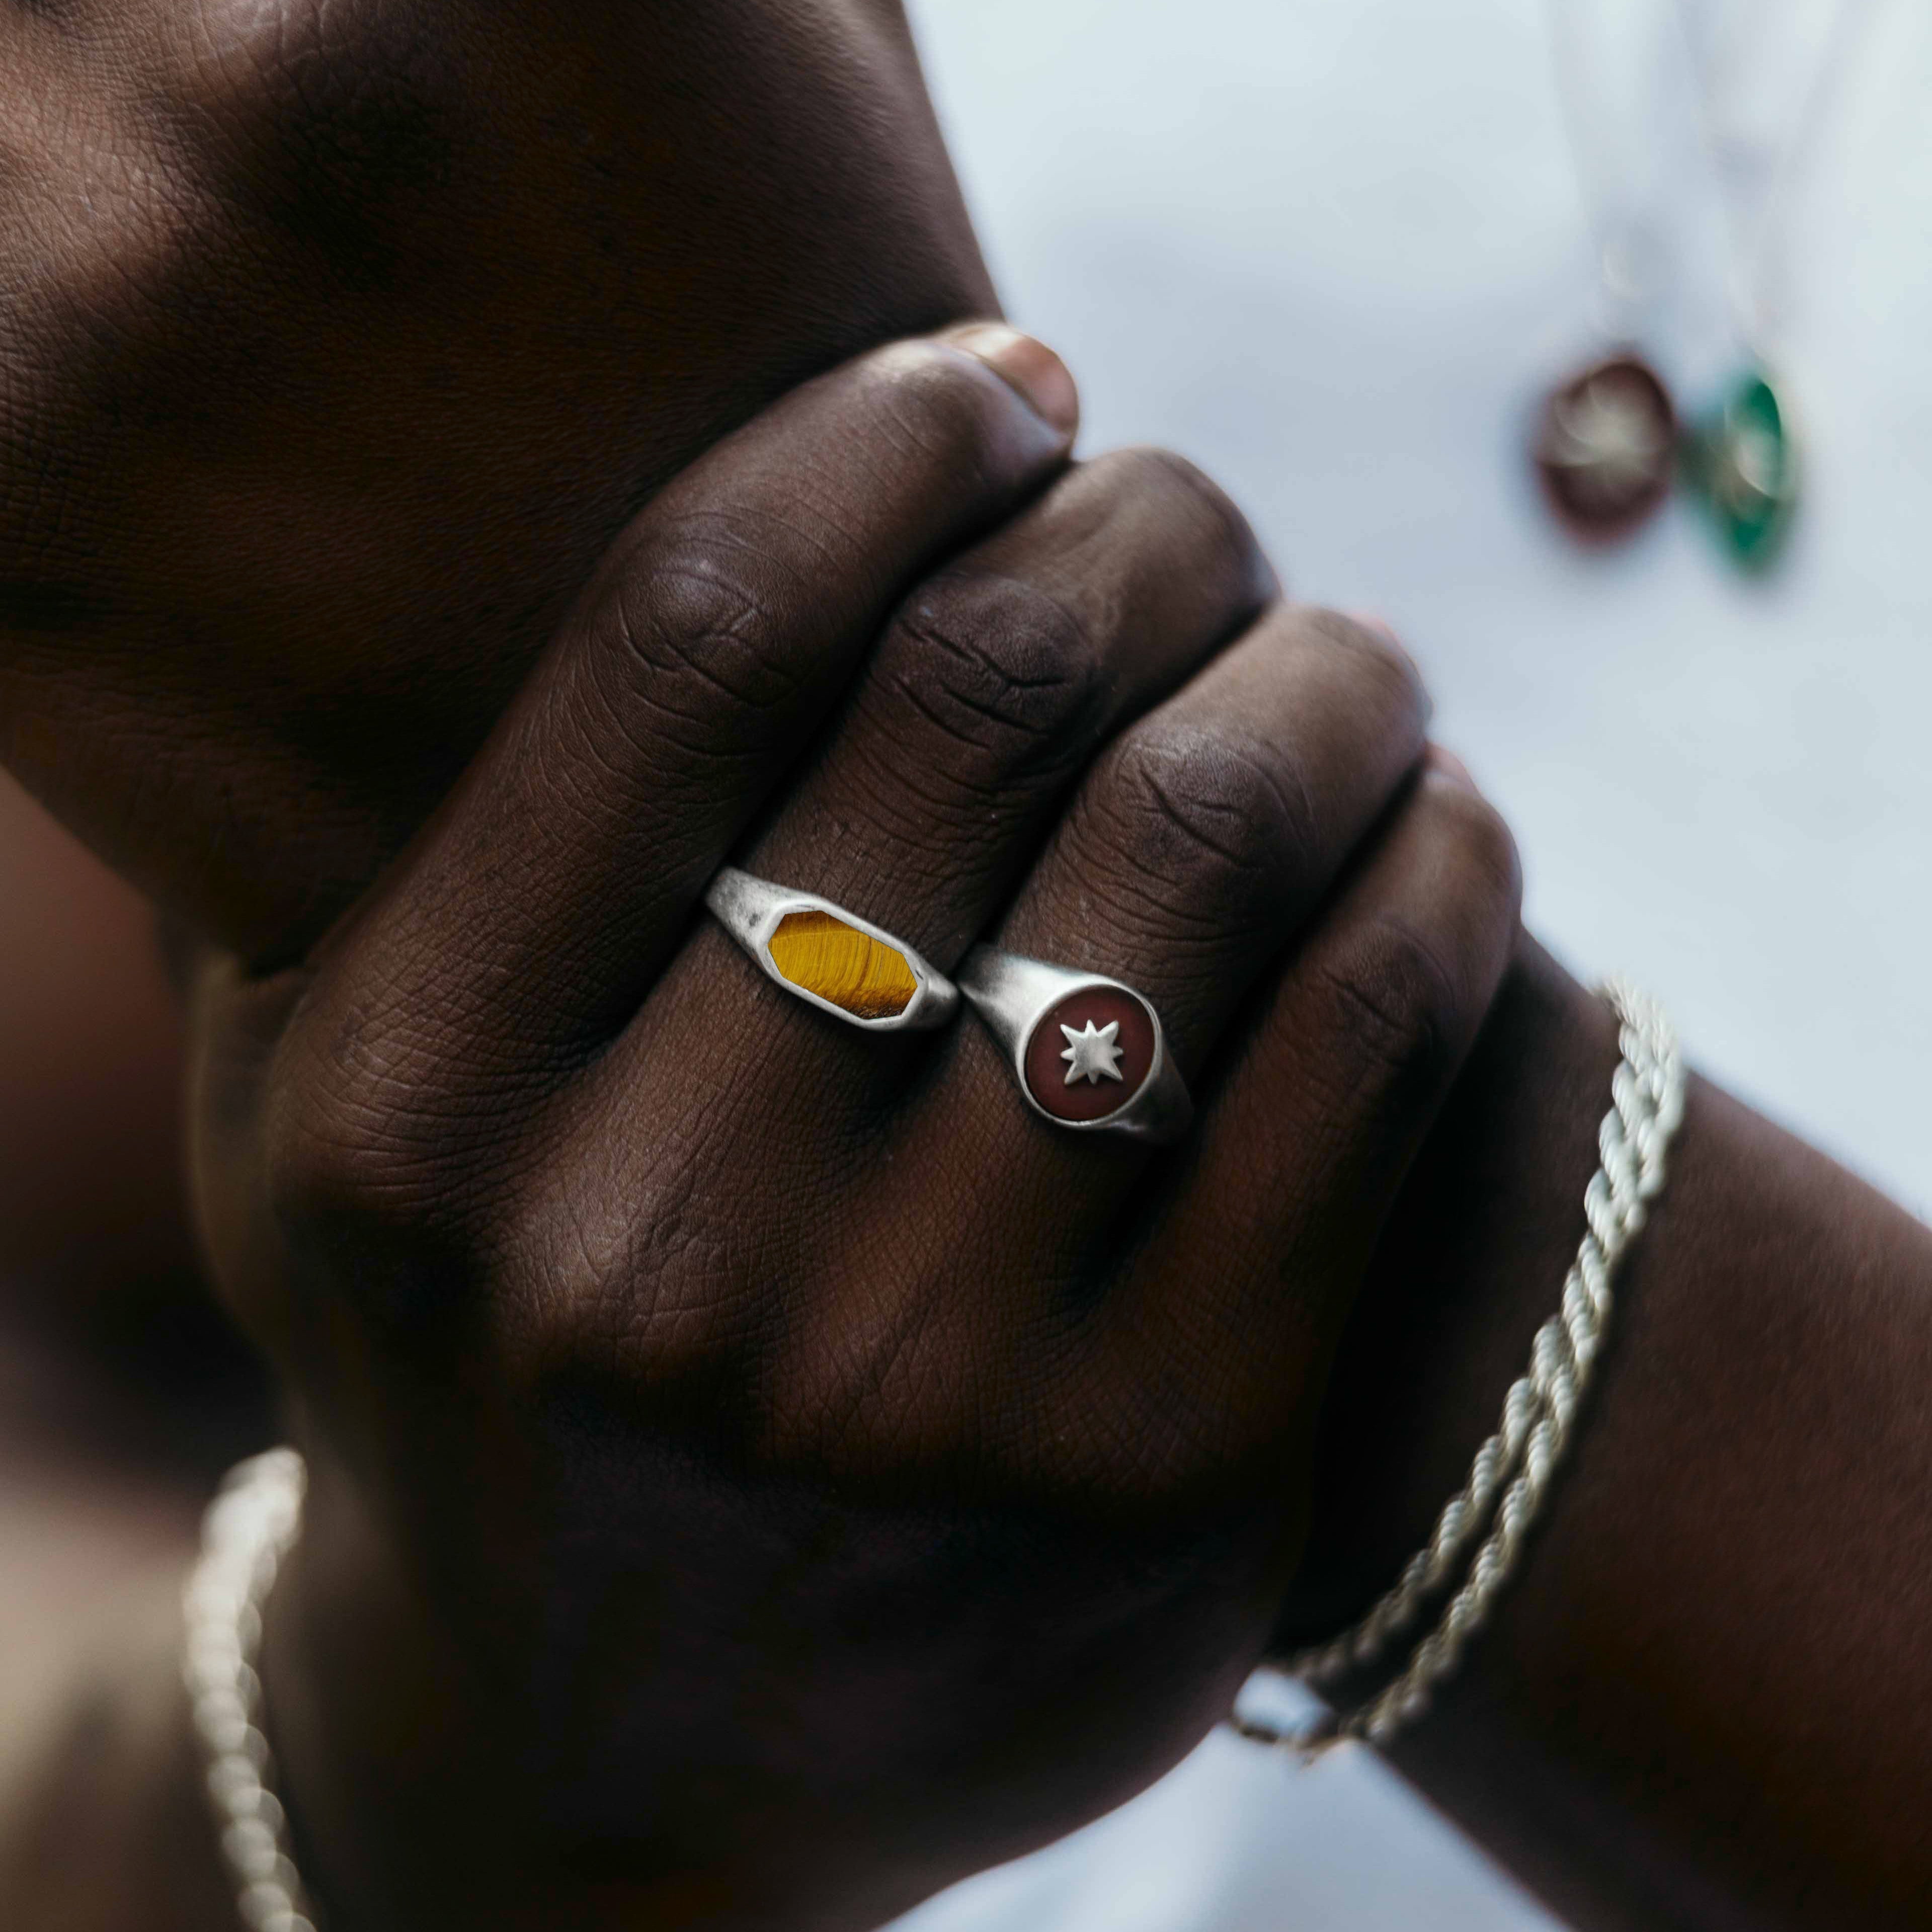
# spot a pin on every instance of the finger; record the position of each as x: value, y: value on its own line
x: 999, y: 681
x: 524, y: 924
x: 930, y: 794
x: 1303, y: 1143
x: 1200, y: 842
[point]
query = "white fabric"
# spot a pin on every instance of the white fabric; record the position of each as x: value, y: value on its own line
x: 1330, y: 248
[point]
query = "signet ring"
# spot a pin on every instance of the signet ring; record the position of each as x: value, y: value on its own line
x: 1089, y: 1053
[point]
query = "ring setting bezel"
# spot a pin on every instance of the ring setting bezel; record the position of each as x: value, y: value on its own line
x: 752, y: 910
x: 1017, y: 998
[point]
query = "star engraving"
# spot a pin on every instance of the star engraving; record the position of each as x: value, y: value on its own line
x: 1092, y: 1055
x: 1608, y: 431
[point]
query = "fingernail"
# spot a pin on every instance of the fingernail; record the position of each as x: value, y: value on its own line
x: 1451, y: 767
x: 1030, y: 367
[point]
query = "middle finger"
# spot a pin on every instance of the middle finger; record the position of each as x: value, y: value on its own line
x: 1197, y: 848
x: 934, y: 788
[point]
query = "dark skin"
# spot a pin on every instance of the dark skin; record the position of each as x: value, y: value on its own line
x: 694, y: 1274
x: 1616, y: 1735
x: 339, y: 343
x: 1702, y: 1703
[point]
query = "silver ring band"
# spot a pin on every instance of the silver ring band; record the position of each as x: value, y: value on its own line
x: 1089, y: 1053
x: 829, y: 958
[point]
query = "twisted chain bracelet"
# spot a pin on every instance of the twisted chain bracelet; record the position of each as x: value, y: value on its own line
x: 244, y: 1535
x: 1517, y: 1463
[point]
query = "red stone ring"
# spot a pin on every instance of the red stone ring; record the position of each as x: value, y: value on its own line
x: 1089, y: 1053
x: 830, y: 958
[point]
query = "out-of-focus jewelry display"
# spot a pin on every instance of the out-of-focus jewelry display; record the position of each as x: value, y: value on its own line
x: 1741, y: 454
x: 1609, y: 439
x: 1605, y: 440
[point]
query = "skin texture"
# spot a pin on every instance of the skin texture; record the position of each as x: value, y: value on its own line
x: 341, y: 338
x: 438, y: 395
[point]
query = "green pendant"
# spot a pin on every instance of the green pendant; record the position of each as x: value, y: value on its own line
x: 1741, y: 461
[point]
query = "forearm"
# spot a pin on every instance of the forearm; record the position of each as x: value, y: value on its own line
x: 1701, y: 1702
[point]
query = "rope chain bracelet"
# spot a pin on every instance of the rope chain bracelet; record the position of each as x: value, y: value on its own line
x: 247, y: 1530
x: 1517, y: 1463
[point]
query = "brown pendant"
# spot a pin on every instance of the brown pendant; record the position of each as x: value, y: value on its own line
x: 1605, y: 448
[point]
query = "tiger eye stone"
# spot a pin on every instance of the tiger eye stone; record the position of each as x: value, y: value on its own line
x: 845, y: 967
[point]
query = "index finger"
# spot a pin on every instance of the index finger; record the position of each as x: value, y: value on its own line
x: 526, y: 921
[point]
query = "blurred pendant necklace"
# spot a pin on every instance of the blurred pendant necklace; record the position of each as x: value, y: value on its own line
x: 1740, y: 457
x: 1605, y: 444
x: 1608, y: 442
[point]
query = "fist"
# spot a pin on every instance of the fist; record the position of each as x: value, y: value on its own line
x: 761, y: 1471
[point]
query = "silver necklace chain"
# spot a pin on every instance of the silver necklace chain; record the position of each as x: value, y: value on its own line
x: 1623, y: 199
x: 1756, y: 242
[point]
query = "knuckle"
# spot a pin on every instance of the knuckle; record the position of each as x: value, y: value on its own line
x: 1003, y: 669
x: 365, y: 1150
x: 1396, y: 994
x: 1213, y: 824
x: 1174, y: 482
x: 1412, y: 982
x: 695, y: 619
x: 1374, y: 655
x: 1486, y: 864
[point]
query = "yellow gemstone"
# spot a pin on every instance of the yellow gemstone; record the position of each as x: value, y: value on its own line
x: 844, y: 966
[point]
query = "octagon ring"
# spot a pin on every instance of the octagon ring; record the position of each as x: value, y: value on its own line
x: 829, y: 958
x: 1089, y: 1053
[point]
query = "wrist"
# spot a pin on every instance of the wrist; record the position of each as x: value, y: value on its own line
x: 1655, y: 1729
x: 380, y: 1761
x: 413, y: 1773
x: 1471, y: 1264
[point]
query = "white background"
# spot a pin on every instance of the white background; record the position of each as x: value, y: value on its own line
x: 1331, y: 249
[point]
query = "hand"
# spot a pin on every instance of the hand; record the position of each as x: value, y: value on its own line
x: 758, y: 1472
x: 340, y: 339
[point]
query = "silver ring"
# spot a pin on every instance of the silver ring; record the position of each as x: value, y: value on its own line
x: 1089, y: 1053
x: 829, y: 958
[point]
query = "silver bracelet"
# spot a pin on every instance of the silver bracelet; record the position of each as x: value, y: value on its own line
x: 1510, y: 1479
x: 247, y: 1530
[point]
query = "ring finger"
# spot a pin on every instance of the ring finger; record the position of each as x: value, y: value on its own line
x: 977, y: 714
x: 1198, y: 845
